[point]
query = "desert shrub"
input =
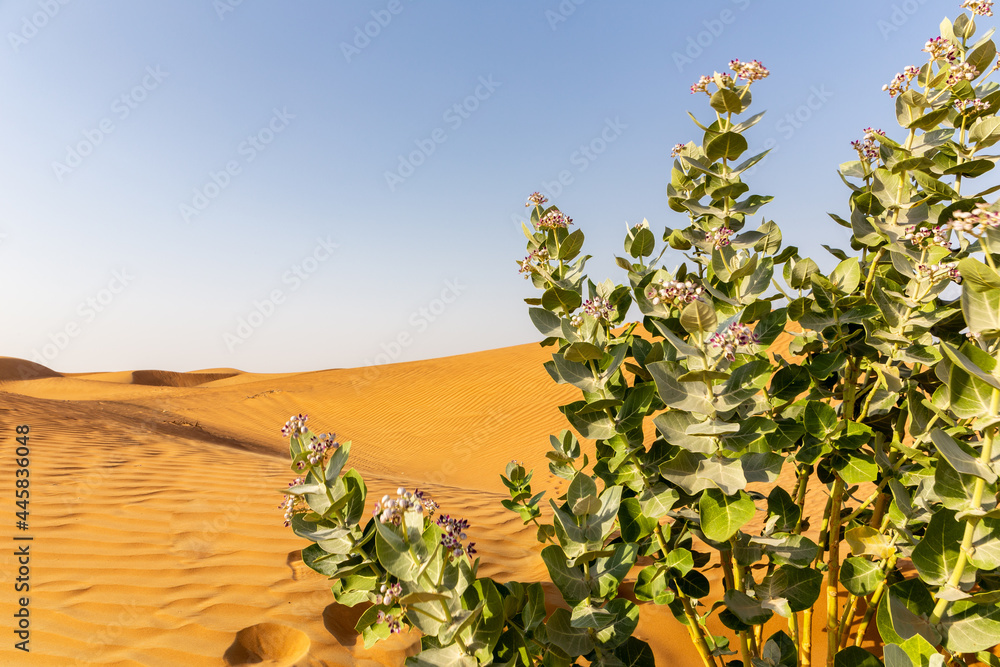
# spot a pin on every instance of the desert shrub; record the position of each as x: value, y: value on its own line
x: 885, y: 399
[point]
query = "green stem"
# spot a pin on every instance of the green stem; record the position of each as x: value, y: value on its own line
x: 696, y: 632
x: 833, y: 569
x: 875, y: 598
x: 971, y: 523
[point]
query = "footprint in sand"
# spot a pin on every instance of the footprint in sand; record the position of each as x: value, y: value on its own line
x: 268, y: 643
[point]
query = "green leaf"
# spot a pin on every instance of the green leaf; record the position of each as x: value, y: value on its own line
x: 640, y: 242
x: 634, y: 524
x: 651, y: 585
x: 571, y: 245
x: 559, y: 300
x: 847, y: 276
x: 982, y: 310
x: 763, y: 467
x: 860, y: 576
x: 582, y: 486
x: 746, y: 608
x: 722, y: 515
x: 985, y: 131
x: 635, y: 653
x: 855, y: 656
x: 799, y: 586
x: 568, y: 579
x: 687, y: 396
x: 728, y: 145
x: 724, y: 473
x: 936, y: 554
x: 657, y: 500
x: 819, y: 419
x: 789, y: 382
x: 977, y: 275
x: 588, y: 616
x: 959, y: 459
x: 856, y: 468
x: 867, y: 541
x: 626, y: 615
x: 797, y: 550
x: 726, y: 101
x: 699, y: 316
x: 583, y: 352
x: 972, y: 168
x: 781, y: 504
x: 573, y: 641
x: 970, y: 627
x: 450, y: 656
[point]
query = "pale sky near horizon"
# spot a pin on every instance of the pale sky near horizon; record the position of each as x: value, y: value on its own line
x: 287, y: 188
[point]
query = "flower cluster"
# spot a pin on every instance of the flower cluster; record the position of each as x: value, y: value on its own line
x: 536, y: 199
x: 390, y: 510
x: 935, y: 236
x: 751, y: 71
x: 677, y: 150
x: 319, y: 446
x: 289, y: 503
x: 966, y: 221
x: 979, y: 7
x: 941, y: 49
x: 673, y: 292
x: 534, y: 259
x: 395, y: 627
x: 972, y: 106
x: 388, y: 595
x: 598, y: 308
x: 553, y: 220
x: 737, y: 335
x: 719, y: 237
x: 901, y: 82
x: 296, y: 425
x: 938, y: 272
x: 701, y: 86
x: 454, y: 533
x: 962, y: 72
x: 868, y: 148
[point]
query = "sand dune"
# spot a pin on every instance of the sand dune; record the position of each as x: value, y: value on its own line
x: 157, y: 536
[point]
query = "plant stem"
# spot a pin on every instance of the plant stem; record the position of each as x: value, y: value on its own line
x: 971, y: 523
x: 805, y: 648
x: 874, y: 600
x: 871, y: 273
x: 833, y: 569
x: 695, y: 630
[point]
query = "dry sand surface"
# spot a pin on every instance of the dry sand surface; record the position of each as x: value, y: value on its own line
x: 157, y: 535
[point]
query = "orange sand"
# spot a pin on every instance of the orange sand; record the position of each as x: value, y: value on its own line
x: 154, y: 510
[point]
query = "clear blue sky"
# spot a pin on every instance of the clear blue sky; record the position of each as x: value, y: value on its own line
x: 127, y: 244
